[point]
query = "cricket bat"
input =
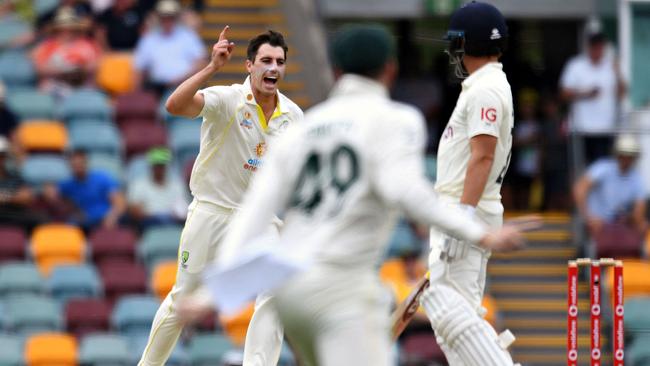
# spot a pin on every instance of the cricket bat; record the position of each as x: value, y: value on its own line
x: 404, y: 313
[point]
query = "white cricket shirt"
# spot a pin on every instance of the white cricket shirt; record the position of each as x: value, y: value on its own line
x: 234, y: 139
x: 341, y: 177
x: 484, y: 107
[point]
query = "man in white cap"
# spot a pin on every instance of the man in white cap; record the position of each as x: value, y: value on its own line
x: 612, y: 190
x: 170, y: 53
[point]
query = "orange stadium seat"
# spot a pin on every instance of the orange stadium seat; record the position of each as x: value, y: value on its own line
x: 49, y: 349
x: 163, y: 278
x: 492, y: 315
x: 235, y: 326
x: 115, y: 73
x: 43, y: 135
x: 635, y: 278
x: 54, y: 244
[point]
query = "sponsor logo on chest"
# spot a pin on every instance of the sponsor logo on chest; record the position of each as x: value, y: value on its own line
x: 256, y: 160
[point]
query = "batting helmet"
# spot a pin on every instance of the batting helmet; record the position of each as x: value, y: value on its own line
x: 475, y: 29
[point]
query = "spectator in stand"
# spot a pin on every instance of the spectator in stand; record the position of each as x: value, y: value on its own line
x: 155, y: 69
x: 66, y: 59
x: 611, y: 196
x: 8, y: 120
x: 593, y: 86
x: 120, y: 25
x: 157, y: 198
x: 15, y: 194
x: 555, y: 151
x: 96, y: 194
x: 24, y: 33
x: 81, y: 8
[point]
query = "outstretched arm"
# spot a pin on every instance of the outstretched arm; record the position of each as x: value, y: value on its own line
x: 185, y: 100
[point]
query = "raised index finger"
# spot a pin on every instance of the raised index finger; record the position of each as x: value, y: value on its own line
x: 223, y: 34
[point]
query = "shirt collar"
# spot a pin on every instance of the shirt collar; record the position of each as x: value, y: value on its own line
x: 482, y: 71
x: 250, y: 98
x: 356, y: 84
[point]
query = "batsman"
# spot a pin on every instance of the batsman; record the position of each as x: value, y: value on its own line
x: 473, y: 157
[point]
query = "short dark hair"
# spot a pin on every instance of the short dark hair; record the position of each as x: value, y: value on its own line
x: 275, y: 39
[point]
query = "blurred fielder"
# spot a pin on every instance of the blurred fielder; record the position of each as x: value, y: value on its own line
x: 340, y: 179
x: 238, y: 121
x: 473, y: 157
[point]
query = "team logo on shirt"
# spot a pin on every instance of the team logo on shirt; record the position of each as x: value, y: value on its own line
x: 253, y: 163
x: 246, y: 120
x: 184, y: 257
x: 489, y: 115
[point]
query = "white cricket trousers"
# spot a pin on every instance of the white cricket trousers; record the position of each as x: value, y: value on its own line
x: 335, y: 316
x: 204, y: 229
x: 453, y: 300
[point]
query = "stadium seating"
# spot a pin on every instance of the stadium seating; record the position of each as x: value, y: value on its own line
x: 18, y: 278
x: 50, y: 349
x: 163, y: 278
x: 208, y: 349
x: 138, y: 166
x: 136, y: 106
x: 30, y: 314
x: 403, y: 240
x: 40, y: 169
x: 43, y: 135
x: 43, y: 6
x: 13, y: 243
x: 108, y: 163
x: 184, y: 139
x: 30, y: 104
x: 74, y: 281
x: 104, y: 349
x: 115, y: 73
x: 430, y: 166
x: 10, y: 28
x: 86, y: 103
x: 95, y: 137
x: 140, y: 136
x: 110, y: 244
x: 122, y: 278
x: 635, y: 280
x: 55, y: 244
x: 159, y: 243
x: 11, y: 350
x: 133, y: 314
x: 636, y: 316
x: 16, y: 69
x: 638, y: 353
x: 84, y: 316
x: 235, y: 326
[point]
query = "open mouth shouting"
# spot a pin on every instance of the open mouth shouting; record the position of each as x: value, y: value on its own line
x: 270, y: 81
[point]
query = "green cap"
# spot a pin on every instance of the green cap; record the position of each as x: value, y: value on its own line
x: 159, y: 155
x: 362, y: 48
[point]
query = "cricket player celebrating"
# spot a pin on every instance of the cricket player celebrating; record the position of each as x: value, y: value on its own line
x: 340, y: 179
x: 238, y: 120
x: 473, y: 157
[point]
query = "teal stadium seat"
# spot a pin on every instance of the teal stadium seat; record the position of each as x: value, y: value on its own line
x: 43, y: 6
x: 40, y: 169
x: 86, y: 103
x: 108, y: 163
x: 159, y: 243
x: 16, y: 69
x: 430, y: 166
x: 133, y: 314
x: 30, y: 314
x: 208, y: 349
x: 31, y: 104
x: 12, y: 27
x: 104, y: 349
x: 184, y: 139
x: 74, y: 281
x: 403, y: 240
x: 638, y: 352
x: 637, y: 320
x: 19, y: 278
x: 11, y: 350
x: 95, y: 137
